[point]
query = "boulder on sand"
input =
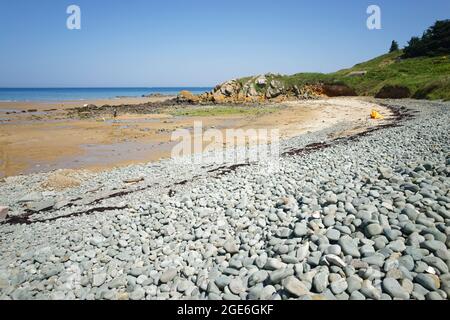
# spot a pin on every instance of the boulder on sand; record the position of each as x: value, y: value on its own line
x: 187, y: 96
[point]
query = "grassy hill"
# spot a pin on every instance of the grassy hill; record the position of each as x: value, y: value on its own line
x: 421, y: 70
x: 425, y: 77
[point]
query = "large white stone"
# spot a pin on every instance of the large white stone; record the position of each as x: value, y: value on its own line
x: 3, y: 213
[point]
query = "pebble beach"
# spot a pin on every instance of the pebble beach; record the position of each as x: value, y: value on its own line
x: 360, y: 217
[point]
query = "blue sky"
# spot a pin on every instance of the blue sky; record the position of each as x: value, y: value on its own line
x: 195, y: 42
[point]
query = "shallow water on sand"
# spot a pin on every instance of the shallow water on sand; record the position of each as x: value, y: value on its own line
x: 61, y: 94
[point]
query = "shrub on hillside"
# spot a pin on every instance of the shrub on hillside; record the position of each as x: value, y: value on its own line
x: 394, y: 46
x: 393, y: 92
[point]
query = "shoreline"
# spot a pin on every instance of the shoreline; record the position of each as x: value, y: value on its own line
x: 66, y: 104
x: 103, y: 142
x: 50, y: 101
x: 180, y: 221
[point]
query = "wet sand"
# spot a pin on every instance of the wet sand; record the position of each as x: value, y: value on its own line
x: 47, y: 105
x: 40, y: 143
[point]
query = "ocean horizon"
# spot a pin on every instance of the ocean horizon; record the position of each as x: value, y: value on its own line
x: 78, y: 93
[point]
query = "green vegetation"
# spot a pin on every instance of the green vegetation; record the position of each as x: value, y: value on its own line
x: 394, y: 46
x: 434, y: 42
x: 423, y: 67
x: 423, y: 74
x: 425, y: 77
x: 301, y: 79
x: 222, y: 111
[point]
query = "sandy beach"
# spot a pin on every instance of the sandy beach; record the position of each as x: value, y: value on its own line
x: 42, y: 141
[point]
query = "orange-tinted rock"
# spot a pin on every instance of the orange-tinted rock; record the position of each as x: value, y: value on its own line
x: 187, y: 96
x: 218, y: 97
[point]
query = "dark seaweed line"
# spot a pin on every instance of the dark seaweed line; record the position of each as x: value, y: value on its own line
x: 400, y: 114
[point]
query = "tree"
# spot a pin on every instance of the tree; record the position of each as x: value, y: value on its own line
x: 434, y: 42
x: 394, y: 46
x: 414, y: 48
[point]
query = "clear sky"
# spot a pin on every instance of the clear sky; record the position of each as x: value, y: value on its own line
x: 195, y: 42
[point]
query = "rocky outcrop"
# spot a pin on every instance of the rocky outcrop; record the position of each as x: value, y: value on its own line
x: 393, y: 92
x: 187, y: 97
x: 275, y: 89
x: 357, y: 74
x: 264, y: 88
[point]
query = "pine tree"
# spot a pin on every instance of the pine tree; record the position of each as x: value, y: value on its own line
x: 394, y: 46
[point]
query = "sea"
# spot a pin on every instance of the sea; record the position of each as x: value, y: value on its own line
x: 61, y: 94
